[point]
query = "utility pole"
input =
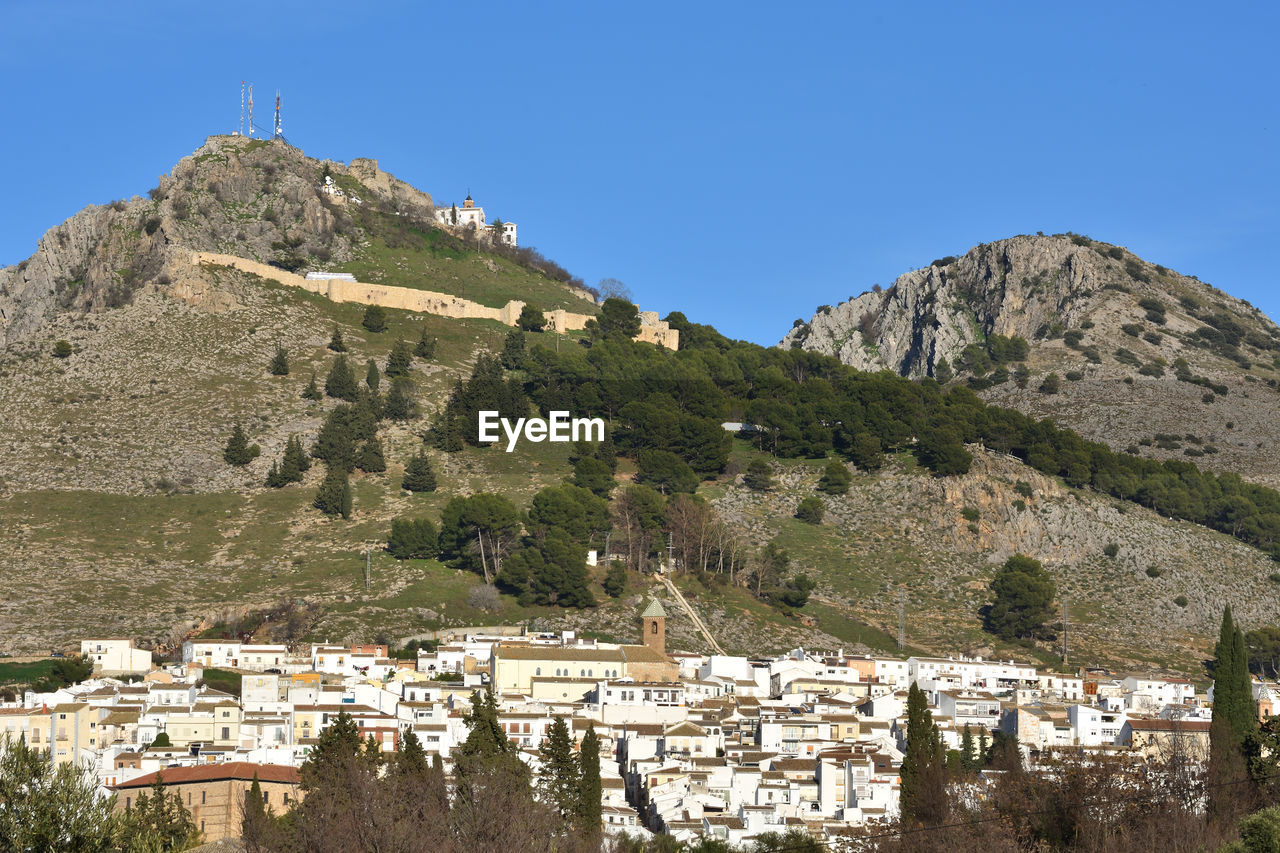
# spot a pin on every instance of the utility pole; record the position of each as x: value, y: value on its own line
x: 902, y: 621
x: 368, y: 566
x: 670, y: 548
x: 1064, y: 632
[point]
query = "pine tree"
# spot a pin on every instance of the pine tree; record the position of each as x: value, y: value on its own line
x: 341, y: 382
x: 615, y: 579
x: 399, y: 360
x: 372, y: 378
x: 238, y: 450
x: 336, y: 443
x: 412, y: 539
x: 590, y: 810
x: 334, y: 494
x: 835, y: 479
x: 400, y: 405
x: 280, y: 363
x: 411, y: 760
x: 558, y: 778
x: 759, y: 476
x: 375, y: 318
x: 336, y: 343
x: 447, y: 433
x: 531, y: 319
x: 513, y: 350
x: 160, y: 819
x: 370, y: 459
x: 426, y: 346
x: 275, y: 480
x: 311, y: 392
x: 418, y: 475
x: 295, y: 461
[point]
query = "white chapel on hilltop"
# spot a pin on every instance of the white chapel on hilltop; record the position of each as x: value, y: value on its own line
x: 471, y: 216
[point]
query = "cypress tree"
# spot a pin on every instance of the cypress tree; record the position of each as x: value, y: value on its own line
x: 336, y: 343
x: 311, y: 392
x: 341, y: 382
x: 590, y: 811
x: 968, y: 755
x: 280, y: 363
x: 334, y: 495
x: 238, y: 450
x: 400, y: 359
x: 370, y: 459
x: 372, y: 377
x: 426, y: 346
x: 558, y: 777
x: 1232, y: 688
x: 418, y: 475
x: 923, y: 783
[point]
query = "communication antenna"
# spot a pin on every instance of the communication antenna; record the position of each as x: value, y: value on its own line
x: 278, y: 134
x: 902, y: 621
x: 240, y: 131
x: 251, y: 109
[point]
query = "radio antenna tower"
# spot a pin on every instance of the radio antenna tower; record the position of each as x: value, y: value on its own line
x: 251, y: 109
x: 278, y: 134
x: 240, y: 131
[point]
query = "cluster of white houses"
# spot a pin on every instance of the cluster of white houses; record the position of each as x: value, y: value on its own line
x: 691, y: 744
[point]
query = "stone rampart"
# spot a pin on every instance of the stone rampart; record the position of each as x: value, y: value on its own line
x: 652, y: 329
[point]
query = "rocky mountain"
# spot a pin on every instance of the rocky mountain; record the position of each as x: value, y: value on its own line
x: 255, y: 198
x: 1137, y: 355
x: 114, y: 491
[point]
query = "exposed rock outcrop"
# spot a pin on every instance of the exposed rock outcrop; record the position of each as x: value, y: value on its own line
x: 1021, y: 286
x: 254, y: 198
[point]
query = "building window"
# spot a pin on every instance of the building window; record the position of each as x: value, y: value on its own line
x: 538, y: 671
x: 202, y: 796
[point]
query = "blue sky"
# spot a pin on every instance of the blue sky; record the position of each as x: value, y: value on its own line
x: 742, y: 162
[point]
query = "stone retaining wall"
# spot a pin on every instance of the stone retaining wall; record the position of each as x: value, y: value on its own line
x: 652, y: 329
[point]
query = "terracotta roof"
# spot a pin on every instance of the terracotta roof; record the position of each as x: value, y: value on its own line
x: 216, y: 772
x: 556, y: 653
x: 1169, y: 725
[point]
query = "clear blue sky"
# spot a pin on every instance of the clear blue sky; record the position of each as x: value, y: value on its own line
x: 743, y: 162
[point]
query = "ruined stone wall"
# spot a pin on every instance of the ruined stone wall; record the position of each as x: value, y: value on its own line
x: 652, y: 330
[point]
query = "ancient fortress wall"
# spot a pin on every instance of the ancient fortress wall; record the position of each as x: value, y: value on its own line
x: 652, y: 329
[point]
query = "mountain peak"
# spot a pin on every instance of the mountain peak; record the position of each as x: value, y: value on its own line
x: 1034, y: 287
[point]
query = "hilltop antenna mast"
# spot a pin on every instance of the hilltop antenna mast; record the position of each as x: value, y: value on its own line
x: 251, y: 109
x: 240, y: 131
x: 277, y: 134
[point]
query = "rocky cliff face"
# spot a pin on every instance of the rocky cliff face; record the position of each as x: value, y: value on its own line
x: 1121, y: 350
x: 249, y: 197
x: 1031, y: 286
